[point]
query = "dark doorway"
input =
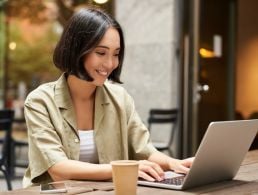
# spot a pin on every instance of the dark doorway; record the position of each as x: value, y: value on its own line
x: 208, y: 68
x: 217, y: 63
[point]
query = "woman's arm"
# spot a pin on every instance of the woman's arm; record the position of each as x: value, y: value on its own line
x: 150, y: 169
x: 72, y: 169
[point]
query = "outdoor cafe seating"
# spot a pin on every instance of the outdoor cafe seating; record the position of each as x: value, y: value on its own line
x: 6, y: 120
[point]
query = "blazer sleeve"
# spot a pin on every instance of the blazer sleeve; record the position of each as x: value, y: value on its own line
x: 139, y: 137
x: 45, y: 145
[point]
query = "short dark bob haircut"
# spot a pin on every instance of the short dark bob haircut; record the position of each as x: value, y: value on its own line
x: 81, y: 35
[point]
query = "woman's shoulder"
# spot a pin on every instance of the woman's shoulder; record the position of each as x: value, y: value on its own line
x: 48, y: 89
x: 43, y: 90
x: 114, y: 87
x: 116, y: 90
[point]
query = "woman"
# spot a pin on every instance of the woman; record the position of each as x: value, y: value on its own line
x: 79, y: 123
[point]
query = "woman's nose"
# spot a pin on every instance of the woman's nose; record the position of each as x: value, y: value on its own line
x: 109, y: 62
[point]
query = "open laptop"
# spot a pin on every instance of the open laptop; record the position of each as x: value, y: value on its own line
x: 218, y: 158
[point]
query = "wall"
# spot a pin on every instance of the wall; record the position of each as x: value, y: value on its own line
x: 150, y: 69
x: 150, y: 72
x: 247, y: 58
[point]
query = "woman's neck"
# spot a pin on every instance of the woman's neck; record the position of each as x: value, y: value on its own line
x: 80, y: 90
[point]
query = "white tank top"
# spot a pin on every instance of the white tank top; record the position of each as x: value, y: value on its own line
x: 88, y: 150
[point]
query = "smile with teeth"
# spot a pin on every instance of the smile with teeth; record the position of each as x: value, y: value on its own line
x: 102, y: 72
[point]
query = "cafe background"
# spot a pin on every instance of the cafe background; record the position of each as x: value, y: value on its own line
x: 195, y: 55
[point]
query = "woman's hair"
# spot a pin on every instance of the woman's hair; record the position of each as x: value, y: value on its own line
x: 82, y: 34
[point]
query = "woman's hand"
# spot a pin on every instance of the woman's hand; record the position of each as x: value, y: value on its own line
x: 150, y: 171
x: 181, y: 166
x: 168, y: 163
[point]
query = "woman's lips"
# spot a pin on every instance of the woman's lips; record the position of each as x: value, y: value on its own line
x: 102, y: 72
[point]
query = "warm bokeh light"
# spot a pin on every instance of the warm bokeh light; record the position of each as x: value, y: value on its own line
x: 100, y: 1
x: 205, y: 53
x: 12, y: 46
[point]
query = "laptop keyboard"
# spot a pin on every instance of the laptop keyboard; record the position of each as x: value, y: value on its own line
x: 173, y: 181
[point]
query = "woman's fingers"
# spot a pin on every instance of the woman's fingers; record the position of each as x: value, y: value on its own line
x: 145, y: 176
x: 182, y: 166
x: 182, y: 169
x: 150, y: 171
x: 188, y: 162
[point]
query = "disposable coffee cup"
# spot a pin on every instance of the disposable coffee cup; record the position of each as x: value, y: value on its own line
x: 125, y: 176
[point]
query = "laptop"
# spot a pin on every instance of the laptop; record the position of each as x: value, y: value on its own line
x: 218, y: 157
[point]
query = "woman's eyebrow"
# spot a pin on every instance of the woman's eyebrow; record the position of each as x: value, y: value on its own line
x: 105, y: 47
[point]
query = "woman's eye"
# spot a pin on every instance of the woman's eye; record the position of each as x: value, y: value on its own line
x: 100, y: 53
x: 116, y: 55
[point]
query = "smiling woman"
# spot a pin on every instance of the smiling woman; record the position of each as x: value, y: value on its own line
x: 90, y: 54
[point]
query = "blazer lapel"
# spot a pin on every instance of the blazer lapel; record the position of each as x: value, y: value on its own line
x: 100, y: 102
x: 64, y: 102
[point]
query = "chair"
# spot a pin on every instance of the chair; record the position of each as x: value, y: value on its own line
x: 20, y: 142
x: 6, y: 119
x: 161, y: 117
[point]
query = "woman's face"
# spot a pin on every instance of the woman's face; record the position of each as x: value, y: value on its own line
x: 103, y: 59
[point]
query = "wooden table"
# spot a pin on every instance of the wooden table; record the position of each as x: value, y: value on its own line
x: 245, y: 182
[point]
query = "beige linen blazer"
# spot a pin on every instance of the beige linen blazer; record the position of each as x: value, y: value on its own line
x: 52, y: 132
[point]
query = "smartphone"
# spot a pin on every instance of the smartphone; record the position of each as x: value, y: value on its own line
x: 52, y: 188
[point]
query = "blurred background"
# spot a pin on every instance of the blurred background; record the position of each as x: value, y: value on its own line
x: 196, y: 56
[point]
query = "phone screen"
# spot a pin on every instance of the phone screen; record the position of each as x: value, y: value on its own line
x: 53, y: 188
